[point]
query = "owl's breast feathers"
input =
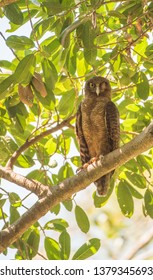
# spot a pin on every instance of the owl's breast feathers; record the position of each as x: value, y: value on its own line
x: 97, y: 125
x: 94, y: 126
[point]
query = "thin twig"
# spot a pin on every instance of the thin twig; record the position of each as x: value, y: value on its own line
x: 9, y: 47
x: 35, y: 139
x: 129, y: 132
x: 140, y: 244
x: 31, y: 23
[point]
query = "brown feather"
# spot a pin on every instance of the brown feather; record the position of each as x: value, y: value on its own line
x: 97, y: 125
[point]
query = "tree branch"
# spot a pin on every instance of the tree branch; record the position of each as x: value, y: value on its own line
x: 141, y: 243
x: 68, y: 187
x: 30, y: 185
x: 35, y: 139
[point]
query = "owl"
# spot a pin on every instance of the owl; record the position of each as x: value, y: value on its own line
x: 97, y: 126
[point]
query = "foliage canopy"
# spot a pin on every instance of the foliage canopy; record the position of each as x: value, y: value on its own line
x: 69, y: 41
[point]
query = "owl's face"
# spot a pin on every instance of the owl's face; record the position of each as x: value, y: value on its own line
x: 98, y: 86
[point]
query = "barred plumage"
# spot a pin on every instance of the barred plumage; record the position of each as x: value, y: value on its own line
x: 97, y: 125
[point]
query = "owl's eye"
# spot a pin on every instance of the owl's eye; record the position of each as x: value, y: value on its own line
x: 91, y: 85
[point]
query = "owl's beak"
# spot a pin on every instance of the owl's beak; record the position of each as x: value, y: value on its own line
x: 97, y: 90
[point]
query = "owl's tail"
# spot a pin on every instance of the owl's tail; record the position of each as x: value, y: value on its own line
x: 102, y: 184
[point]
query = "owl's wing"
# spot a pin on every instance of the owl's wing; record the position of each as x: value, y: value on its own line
x: 84, y: 151
x: 113, y: 125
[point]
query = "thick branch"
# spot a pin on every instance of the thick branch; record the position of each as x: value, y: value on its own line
x: 35, y: 139
x: 68, y: 187
x: 30, y: 185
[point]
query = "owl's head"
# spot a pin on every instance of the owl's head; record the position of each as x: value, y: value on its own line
x: 98, y: 86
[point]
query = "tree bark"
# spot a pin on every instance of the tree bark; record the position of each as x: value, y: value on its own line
x: 50, y: 197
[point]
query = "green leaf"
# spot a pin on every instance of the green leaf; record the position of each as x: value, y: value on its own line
x: 52, y: 249
x: 51, y: 146
x: 52, y: 47
x: 56, y: 6
x: 7, y: 64
x: 148, y: 65
x: 14, y: 214
x: 15, y: 199
x: 56, y: 224
x: 2, y: 215
x: 88, y: 35
x: 133, y: 191
x: 125, y: 199
x: 82, y: 65
x: 90, y: 55
x: 128, y: 123
x: 68, y: 204
x: 36, y: 175
x: 65, y: 171
x: 13, y: 13
x: 149, y: 51
x: 48, y: 101
x: 87, y: 250
x: 4, y: 85
x: 117, y: 63
x: 117, y: 14
x: 19, y: 42
x: 76, y: 160
x: 137, y: 180
x: 64, y: 241
x: 7, y: 147
x: 33, y: 242
x: 148, y: 200
x: 65, y: 146
x: 133, y: 107
x: 146, y: 164
x: 56, y: 209
x: 131, y: 166
x: 143, y: 86
x: 113, y: 23
x: 82, y: 219
x: 71, y: 61
x: 50, y: 73
x: 66, y: 103
x: 25, y: 69
x: 2, y: 202
x: 25, y: 161
x: 41, y: 28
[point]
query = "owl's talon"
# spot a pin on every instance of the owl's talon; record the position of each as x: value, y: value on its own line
x: 92, y: 160
x: 86, y: 165
x: 79, y: 169
x: 101, y: 157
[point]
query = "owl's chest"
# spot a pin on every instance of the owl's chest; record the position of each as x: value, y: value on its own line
x: 93, y: 115
x: 94, y: 126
